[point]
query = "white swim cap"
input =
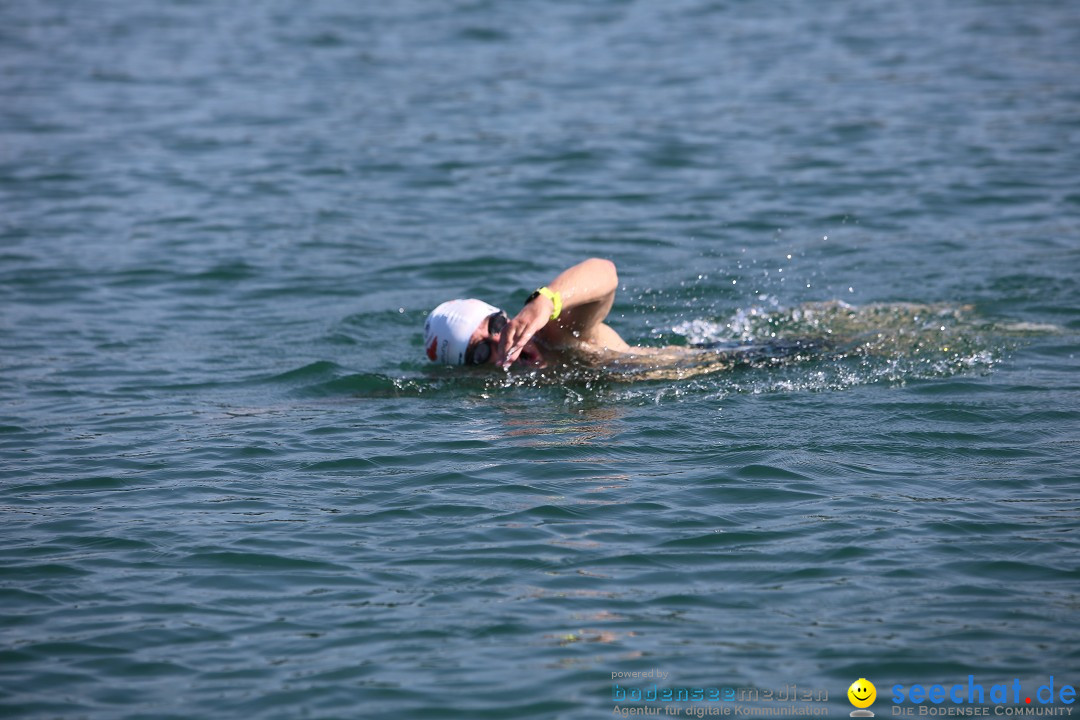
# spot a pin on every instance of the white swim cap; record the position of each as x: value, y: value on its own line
x: 448, y: 328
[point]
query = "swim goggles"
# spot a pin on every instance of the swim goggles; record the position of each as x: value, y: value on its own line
x: 482, y: 351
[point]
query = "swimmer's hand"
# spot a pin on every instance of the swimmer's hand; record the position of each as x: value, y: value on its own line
x: 519, y: 331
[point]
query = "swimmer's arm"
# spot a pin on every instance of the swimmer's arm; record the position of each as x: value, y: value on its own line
x: 588, y: 292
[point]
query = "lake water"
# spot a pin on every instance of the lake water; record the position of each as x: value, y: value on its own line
x: 233, y: 486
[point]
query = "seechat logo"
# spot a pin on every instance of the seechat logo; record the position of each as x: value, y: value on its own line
x: 1007, y: 698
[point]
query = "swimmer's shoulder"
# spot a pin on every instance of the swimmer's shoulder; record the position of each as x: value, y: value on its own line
x: 599, y: 339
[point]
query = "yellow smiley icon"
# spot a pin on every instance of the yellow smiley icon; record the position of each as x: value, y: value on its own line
x: 862, y: 693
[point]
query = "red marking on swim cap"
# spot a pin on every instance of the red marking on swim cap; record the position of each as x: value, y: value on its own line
x: 431, y: 349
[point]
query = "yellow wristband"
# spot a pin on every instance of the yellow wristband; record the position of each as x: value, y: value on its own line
x: 555, y: 298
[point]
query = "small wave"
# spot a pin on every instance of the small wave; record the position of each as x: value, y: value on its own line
x: 308, y: 372
x: 373, y: 385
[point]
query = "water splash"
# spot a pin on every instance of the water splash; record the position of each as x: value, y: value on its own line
x: 835, y: 345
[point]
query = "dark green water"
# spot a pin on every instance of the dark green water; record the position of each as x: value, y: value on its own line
x: 232, y: 487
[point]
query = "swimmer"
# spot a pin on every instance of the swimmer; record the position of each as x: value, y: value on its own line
x: 562, y: 327
x: 564, y: 317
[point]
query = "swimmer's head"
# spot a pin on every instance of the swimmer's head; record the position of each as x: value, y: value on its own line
x: 449, y: 327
